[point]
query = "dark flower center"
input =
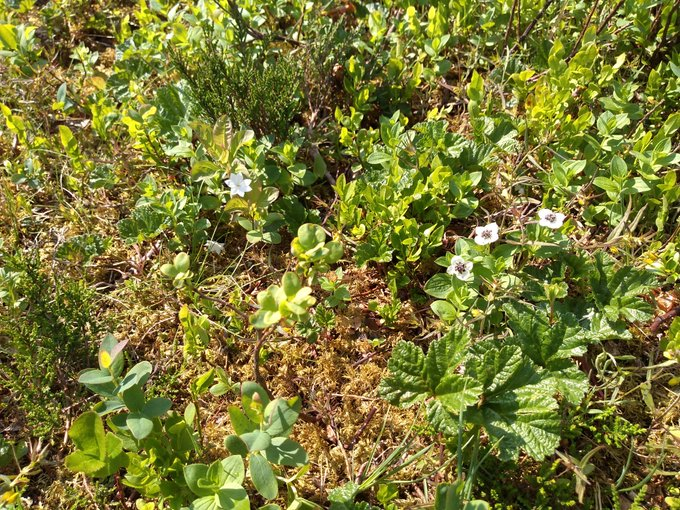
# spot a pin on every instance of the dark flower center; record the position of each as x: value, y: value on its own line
x: 486, y: 234
x: 460, y: 267
x: 552, y: 217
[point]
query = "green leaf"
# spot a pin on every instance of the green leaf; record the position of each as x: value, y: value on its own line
x: 378, y: 158
x: 139, y: 425
x: 541, y: 340
x: 210, y: 502
x: 444, y: 310
x: 234, y: 469
x: 344, y: 493
x: 500, y: 369
x: 133, y: 398
x: 566, y: 379
x: 286, y: 452
x: 280, y: 416
x: 233, y: 497
x: 114, y: 348
x: 406, y: 382
x: 616, y: 291
x: 137, y: 375
x: 522, y: 420
x: 144, y: 223
x: 335, y: 251
x: 311, y: 236
x: 631, y: 308
x: 445, y: 355
x: 157, y: 407
x: 256, y: 440
x: 193, y: 473
x: 81, y: 462
x: 456, y: 392
x: 254, y: 399
x: 450, y: 497
x: 182, y: 262
x: 440, y: 285
x: 7, y: 37
x: 290, y: 283
x: 440, y: 419
x: 263, y: 477
x: 236, y: 445
x: 240, y: 421
x: 607, y: 184
x: 475, y: 89
x: 98, y: 454
x: 87, y: 433
x: 94, y: 376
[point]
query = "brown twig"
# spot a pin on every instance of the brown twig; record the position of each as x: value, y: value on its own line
x: 662, y: 319
x: 583, y: 32
x: 257, y: 375
x: 609, y: 17
x: 361, y: 430
x: 120, y: 494
x: 509, y: 27
x: 531, y: 26
x: 368, y: 356
x: 231, y: 307
x: 255, y: 34
x: 663, y: 43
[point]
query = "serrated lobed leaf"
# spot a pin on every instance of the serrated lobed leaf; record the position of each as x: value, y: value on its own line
x: 541, y: 340
x: 523, y: 420
x: 445, y: 355
x: 406, y: 382
x: 456, y: 392
x: 500, y: 369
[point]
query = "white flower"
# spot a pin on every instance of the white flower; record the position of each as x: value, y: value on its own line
x: 214, y: 247
x: 459, y: 268
x: 487, y: 234
x: 550, y: 219
x: 238, y: 185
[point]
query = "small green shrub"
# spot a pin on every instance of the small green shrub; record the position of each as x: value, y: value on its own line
x: 261, y: 95
x: 46, y: 336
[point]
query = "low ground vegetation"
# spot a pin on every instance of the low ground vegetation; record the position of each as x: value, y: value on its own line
x: 343, y: 255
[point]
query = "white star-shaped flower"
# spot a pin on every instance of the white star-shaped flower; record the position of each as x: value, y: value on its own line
x: 214, y: 247
x: 550, y: 218
x: 238, y: 185
x: 487, y: 234
x: 460, y: 268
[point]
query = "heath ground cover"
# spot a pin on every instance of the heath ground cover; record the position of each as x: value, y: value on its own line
x: 289, y: 254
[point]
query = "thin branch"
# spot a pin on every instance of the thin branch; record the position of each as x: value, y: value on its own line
x: 583, y: 32
x: 531, y: 25
x: 231, y: 307
x: 255, y: 34
x: 609, y: 17
x: 509, y: 27
x: 361, y: 430
x: 257, y: 375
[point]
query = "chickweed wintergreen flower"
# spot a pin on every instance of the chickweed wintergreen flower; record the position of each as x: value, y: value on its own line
x: 550, y: 218
x: 487, y: 234
x: 238, y: 185
x: 459, y: 268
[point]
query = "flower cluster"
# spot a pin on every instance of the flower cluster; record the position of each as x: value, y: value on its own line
x: 488, y: 234
x: 546, y: 218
